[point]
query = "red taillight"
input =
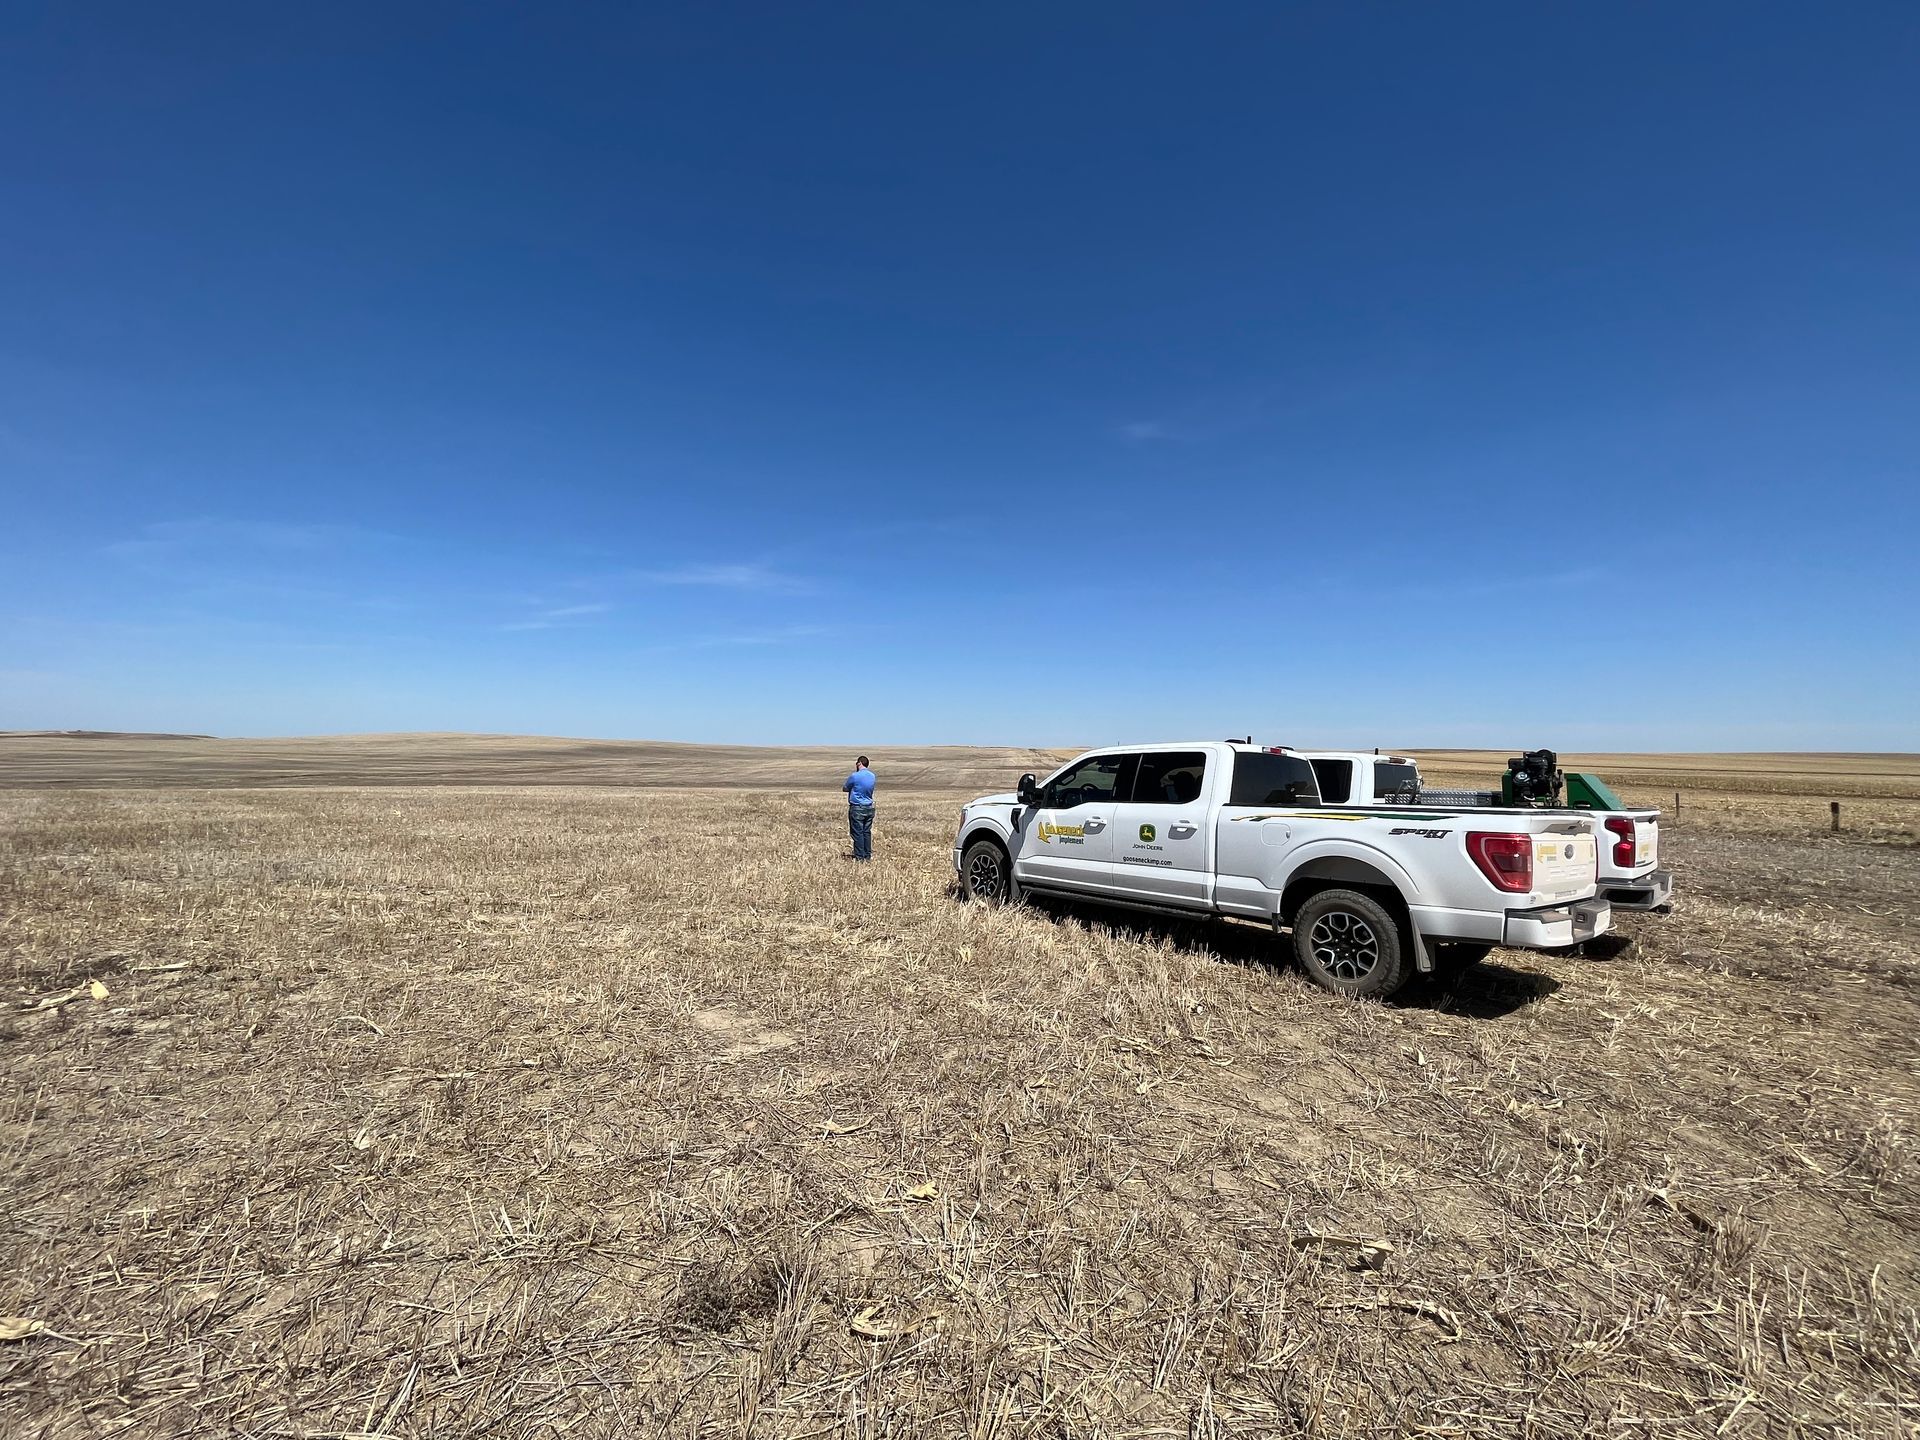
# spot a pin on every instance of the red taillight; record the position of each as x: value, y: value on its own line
x: 1506, y: 860
x: 1623, y: 847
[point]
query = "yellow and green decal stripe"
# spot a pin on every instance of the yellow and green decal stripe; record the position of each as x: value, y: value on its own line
x: 1396, y: 815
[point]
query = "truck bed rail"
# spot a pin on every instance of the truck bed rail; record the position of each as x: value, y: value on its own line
x: 1458, y: 799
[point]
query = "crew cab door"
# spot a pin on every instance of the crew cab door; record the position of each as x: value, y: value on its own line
x: 1161, y: 831
x: 1066, y: 841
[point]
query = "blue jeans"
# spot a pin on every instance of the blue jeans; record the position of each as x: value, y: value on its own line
x: 860, y: 826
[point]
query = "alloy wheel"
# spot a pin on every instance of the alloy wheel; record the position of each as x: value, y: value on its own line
x: 1345, y: 945
x: 984, y: 878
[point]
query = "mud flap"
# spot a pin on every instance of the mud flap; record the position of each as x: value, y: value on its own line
x: 1422, y: 952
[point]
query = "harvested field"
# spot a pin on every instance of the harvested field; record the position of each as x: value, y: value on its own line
x: 43, y: 759
x: 559, y: 1109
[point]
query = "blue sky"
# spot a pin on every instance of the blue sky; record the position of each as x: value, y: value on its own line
x: 1345, y: 374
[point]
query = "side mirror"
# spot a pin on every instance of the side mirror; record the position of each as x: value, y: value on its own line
x: 1028, y: 791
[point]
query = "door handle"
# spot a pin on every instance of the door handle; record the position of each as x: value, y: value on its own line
x: 1094, y: 827
x: 1181, y: 831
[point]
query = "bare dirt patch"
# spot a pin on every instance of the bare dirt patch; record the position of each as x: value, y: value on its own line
x: 744, y: 1036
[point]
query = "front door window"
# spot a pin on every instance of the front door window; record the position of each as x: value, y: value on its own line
x: 1090, y: 782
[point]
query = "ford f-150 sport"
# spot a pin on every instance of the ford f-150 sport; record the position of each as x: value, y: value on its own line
x: 1219, y: 828
x: 1629, y: 854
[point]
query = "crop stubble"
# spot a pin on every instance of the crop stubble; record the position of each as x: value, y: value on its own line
x: 527, y: 1111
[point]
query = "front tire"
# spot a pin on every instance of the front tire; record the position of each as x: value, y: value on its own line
x: 1351, y: 944
x: 986, y: 874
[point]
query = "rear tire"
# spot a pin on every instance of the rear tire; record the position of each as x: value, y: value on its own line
x: 986, y: 874
x: 1351, y: 944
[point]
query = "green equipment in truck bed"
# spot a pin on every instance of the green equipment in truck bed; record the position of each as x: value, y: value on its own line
x: 1590, y: 792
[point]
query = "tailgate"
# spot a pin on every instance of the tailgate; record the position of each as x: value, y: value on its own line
x: 1564, y: 863
x: 1646, y: 838
x: 1646, y: 844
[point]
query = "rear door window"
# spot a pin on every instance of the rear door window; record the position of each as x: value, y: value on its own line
x: 1273, y: 780
x: 1170, y: 777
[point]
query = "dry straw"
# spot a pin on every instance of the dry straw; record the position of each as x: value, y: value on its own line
x: 530, y: 1112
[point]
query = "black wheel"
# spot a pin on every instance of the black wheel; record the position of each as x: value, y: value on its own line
x: 986, y: 874
x: 1350, y: 943
x: 1456, y: 957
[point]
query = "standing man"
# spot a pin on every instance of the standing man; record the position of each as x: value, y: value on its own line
x: 859, y: 788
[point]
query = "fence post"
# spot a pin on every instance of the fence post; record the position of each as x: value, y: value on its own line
x: 1676, y: 804
x: 1834, y: 805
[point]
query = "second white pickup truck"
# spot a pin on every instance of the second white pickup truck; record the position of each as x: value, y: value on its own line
x: 1372, y: 896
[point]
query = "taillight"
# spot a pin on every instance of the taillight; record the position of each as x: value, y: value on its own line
x: 1623, y: 847
x: 1506, y: 860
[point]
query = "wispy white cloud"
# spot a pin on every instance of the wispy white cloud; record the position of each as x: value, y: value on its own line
x: 784, y: 635
x: 1491, y: 580
x: 560, y: 617
x: 175, y: 537
x: 751, y: 639
x: 1260, y: 403
x: 750, y: 576
x: 250, y: 564
x: 568, y: 612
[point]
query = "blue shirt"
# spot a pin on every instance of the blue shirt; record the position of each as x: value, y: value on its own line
x: 859, y: 787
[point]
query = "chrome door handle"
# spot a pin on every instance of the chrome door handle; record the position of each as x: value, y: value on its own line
x: 1094, y: 827
x: 1181, y: 831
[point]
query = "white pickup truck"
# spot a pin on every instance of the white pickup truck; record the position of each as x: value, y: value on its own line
x: 1629, y: 854
x: 1219, y: 828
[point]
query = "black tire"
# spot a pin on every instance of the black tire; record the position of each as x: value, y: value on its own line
x: 1351, y: 944
x: 1456, y: 957
x: 986, y: 874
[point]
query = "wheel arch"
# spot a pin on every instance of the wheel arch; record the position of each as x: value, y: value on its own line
x: 986, y: 830
x: 1343, y: 872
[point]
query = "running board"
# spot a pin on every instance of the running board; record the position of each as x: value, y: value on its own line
x: 1092, y: 897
